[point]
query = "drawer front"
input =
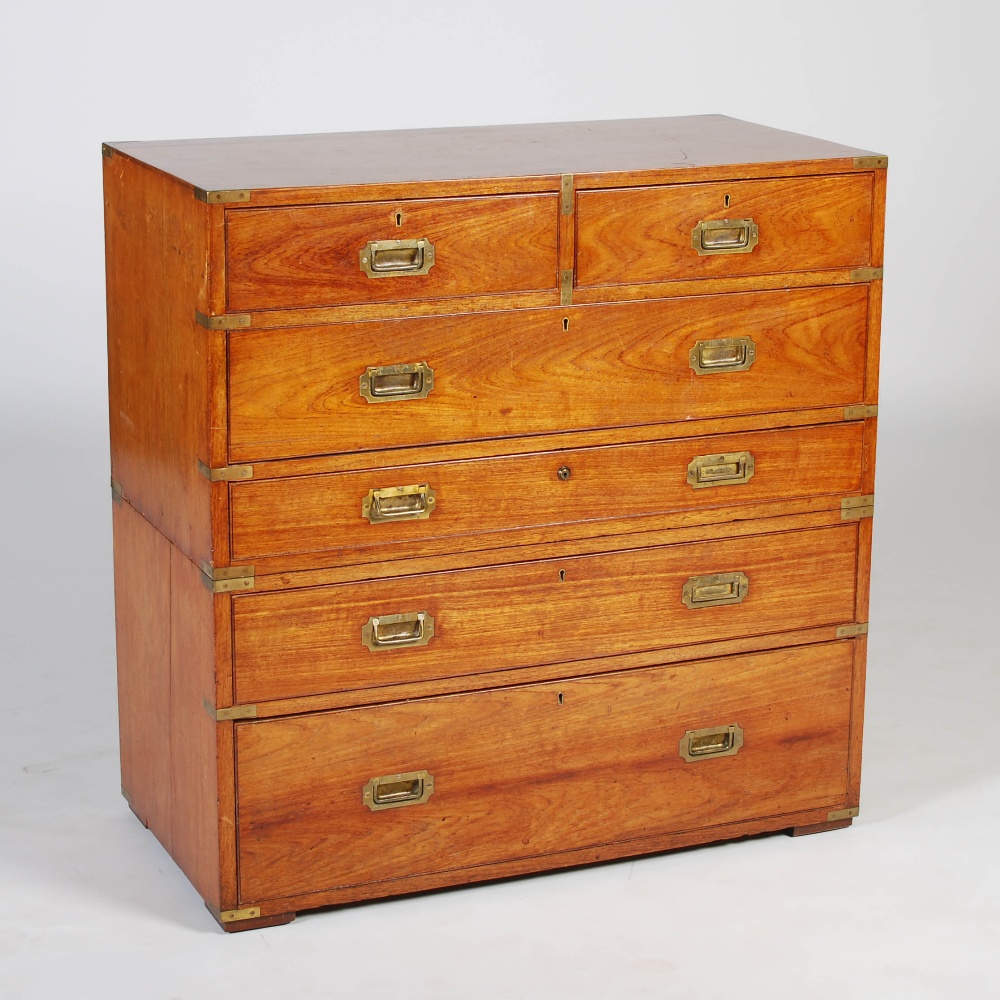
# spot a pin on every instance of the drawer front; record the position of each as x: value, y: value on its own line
x: 311, y: 256
x: 325, y: 514
x: 630, y: 235
x: 534, y: 770
x: 297, y: 392
x: 295, y: 643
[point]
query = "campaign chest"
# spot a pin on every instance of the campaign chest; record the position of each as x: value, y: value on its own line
x: 488, y: 500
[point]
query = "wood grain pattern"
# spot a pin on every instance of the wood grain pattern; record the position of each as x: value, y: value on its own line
x: 295, y: 643
x: 310, y: 256
x: 294, y: 392
x: 495, y: 152
x: 527, y: 771
x: 321, y: 515
x: 159, y: 360
x: 644, y: 234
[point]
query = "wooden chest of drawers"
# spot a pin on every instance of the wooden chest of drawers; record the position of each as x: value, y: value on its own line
x: 488, y: 500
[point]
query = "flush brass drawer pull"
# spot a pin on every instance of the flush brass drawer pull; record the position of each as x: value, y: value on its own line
x: 730, y: 354
x: 392, y: 383
x: 395, y: 258
x: 395, y: 790
x: 722, y: 741
x: 385, y: 632
x: 711, y: 591
x: 399, y: 503
x: 724, y: 236
x: 721, y: 470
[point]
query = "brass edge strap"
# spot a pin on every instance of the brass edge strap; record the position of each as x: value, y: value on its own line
x: 566, y: 288
x: 842, y: 814
x: 232, y: 196
x: 871, y: 162
x: 867, y: 274
x: 225, y: 474
x: 566, y: 194
x: 860, y: 412
x: 229, y: 321
x: 223, y: 579
x: 850, y: 631
x: 230, y: 714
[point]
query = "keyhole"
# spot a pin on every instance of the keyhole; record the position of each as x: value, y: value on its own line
x: 560, y: 697
x: 725, y: 200
x: 564, y: 473
x: 562, y: 575
x: 565, y: 322
x: 399, y: 215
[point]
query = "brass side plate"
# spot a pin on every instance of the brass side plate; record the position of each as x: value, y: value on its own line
x: 394, y: 383
x: 397, y: 258
x: 713, y: 236
x: 720, y: 741
x: 399, y: 503
x: 860, y: 412
x: 721, y: 470
x: 233, y: 196
x: 729, y: 354
x: 851, y: 813
x: 225, y: 473
x: 229, y: 321
x: 250, y: 913
x: 711, y: 591
x: 854, y: 508
x: 385, y: 632
x: 866, y: 274
x: 392, y: 791
x: 850, y: 631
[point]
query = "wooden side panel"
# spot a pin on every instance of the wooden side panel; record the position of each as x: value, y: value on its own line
x: 632, y: 235
x: 159, y: 359
x: 311, y: 256
x: 295, y: 392
x: 321, y: 515
x: 194, y: 777
x: 295, y: 643
x: 529, y: 771
x: 142, y: 623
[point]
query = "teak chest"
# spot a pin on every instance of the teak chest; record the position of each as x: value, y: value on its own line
x: 488, y: 500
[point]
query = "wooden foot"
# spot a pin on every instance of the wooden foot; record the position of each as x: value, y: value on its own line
x: 802, y: 831
x: 253, y: 923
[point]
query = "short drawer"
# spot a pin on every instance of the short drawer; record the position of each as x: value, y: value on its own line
x: 531, y: 771
x: 296, y: 643
x: 324, y: 255
x: 299, y: 392
x: 723, y: 229
x: 427, y: 509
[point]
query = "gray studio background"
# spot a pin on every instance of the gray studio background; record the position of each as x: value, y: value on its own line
x: 904, y: 903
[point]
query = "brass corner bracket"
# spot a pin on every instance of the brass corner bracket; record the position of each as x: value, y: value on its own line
x: 855, y: 508
x: 224, y: 579
x: 867, y: 274
x: 233, y: 196
x: 850, y: 631
x: 842, y: 814
x: 230, y: 714
x: 116, y: 490
x: 107, y: 151
x: 226, y: 473
x: 229, y: 321
x: 860, y: 412
x: 871, y: 162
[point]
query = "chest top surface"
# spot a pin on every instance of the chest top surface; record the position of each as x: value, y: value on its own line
x: 448, y: 154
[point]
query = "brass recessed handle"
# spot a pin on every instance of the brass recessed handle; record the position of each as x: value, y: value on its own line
x: 713, y: 236
x: 399, y: 503
x: 392, y: 383
x: 397, y: 258
x: 383, y: 632
x: 721, y: 470
x: 720, y: 741
x: 394, y: 790
x: 711, y: 591
x: 728, y: 354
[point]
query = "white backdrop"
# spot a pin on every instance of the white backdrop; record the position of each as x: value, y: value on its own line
x: 905, y: 902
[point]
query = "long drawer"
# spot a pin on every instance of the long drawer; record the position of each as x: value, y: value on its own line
x: 432, y: 508
x: 530, y: 771
x: 309, y: 391
x: 723, y: 229
x: 390, y: 251
x: 295, y: 643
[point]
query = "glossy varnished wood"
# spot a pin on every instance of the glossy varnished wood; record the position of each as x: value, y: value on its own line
x: 529, y: 771
x: 296, y: 643
x: 295, y: 392
x: 630, y: 236
x: 321, y: 515
x: 311, y: 256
